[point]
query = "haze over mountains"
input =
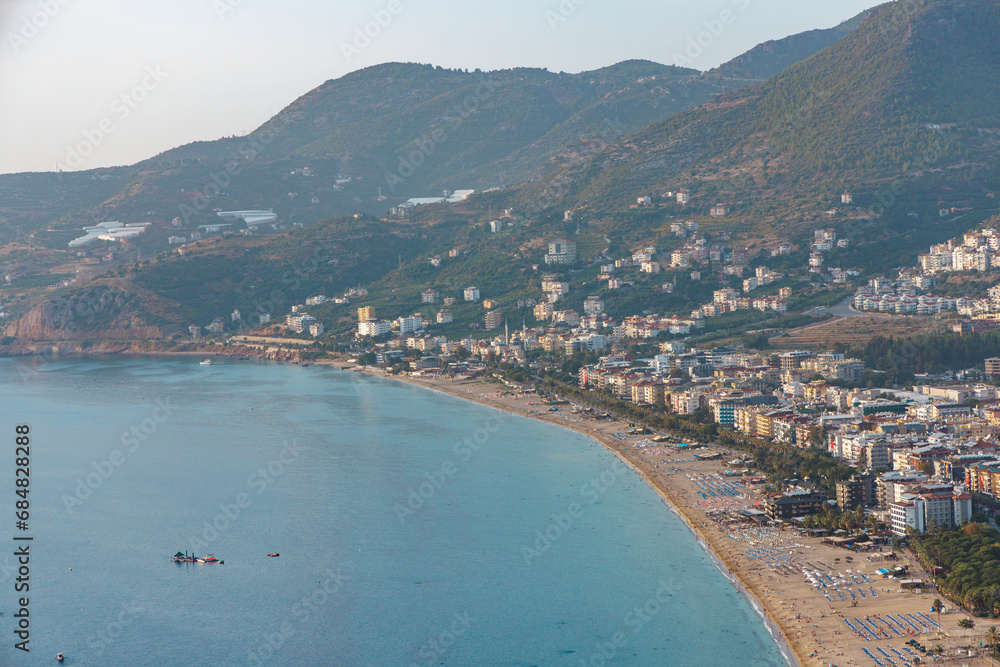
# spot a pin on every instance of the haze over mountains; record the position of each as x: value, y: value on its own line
x: 900, y: 106
x: 468, y: 130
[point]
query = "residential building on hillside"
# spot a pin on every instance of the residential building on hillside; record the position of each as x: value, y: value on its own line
x: 300, y: 322
x: 373, y: 328
x: 594, y: 305
x: 493, y: 319
x: 543, y: 311
x: 561, y: 251
x: 408, y: 325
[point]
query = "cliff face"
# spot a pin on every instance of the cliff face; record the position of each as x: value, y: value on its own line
x: 101, y: 312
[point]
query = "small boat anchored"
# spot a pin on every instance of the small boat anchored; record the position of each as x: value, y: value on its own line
x: 274, y: 555
x: 183, y: 557
x: 206, y: 362
x: 60, y: 657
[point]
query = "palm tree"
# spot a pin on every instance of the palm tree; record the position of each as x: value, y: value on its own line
x: 936, y: 606
x: 995, y: 600
x: 967, y: 624
x: 992, y: 637
x: 979, y: 598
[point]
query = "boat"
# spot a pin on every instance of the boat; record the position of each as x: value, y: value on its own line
x: 274, y: 555
x: 206, y: 362
x: 60, y: 657
x: 207, y: 559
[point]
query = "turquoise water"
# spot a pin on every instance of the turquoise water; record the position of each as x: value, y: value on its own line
x: 413, y: 528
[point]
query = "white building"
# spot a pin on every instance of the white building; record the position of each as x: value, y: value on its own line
x: 300, y: 322
x: 472, y: 294
x: 373, y: 328
x: 408, y: 325
x: 594, y: 305
x: 561, y: 251
x: 251, y: 218
x: 110, y: 231
x: 931, y: 505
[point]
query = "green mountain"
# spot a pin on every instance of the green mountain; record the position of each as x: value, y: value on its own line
x: 405, y: 130
x: 906, y: 101
x: 399, y: 130
x: 769, y: 58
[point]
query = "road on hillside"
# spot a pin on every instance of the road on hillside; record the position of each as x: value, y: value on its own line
x: 844, y: 309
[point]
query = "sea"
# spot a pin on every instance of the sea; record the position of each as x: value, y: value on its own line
x: 410, y: 527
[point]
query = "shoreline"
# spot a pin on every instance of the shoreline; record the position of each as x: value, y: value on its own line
x: 811, y: 628
x: 773, y: 628
x: 809, y: 632
x: 673, y: 505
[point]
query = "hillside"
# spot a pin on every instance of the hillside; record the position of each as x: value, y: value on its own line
x: 910, y: 95
x: 769, y: 58
x: 399, y: 130
x: 587, y: 139
x: 402, y: 130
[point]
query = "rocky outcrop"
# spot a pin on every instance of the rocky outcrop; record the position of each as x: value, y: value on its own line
x: 92, y: 313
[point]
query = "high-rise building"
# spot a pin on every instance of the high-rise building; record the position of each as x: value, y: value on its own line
x: 858, y: 491
x: 494, y: 319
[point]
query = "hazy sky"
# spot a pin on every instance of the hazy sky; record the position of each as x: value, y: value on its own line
x: 131, y: 78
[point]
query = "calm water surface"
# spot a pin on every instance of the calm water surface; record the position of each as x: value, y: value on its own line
x: 413, y: 528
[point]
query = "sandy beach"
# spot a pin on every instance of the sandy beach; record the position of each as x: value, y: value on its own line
x: 826, y: 605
